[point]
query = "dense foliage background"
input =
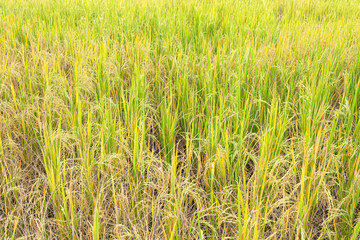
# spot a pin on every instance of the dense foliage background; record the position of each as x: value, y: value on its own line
x: 167, y: 119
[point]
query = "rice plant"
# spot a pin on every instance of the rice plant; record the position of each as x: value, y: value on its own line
x: 187, y: 119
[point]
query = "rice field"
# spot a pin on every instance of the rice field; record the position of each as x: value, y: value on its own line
x: 180, y: 119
